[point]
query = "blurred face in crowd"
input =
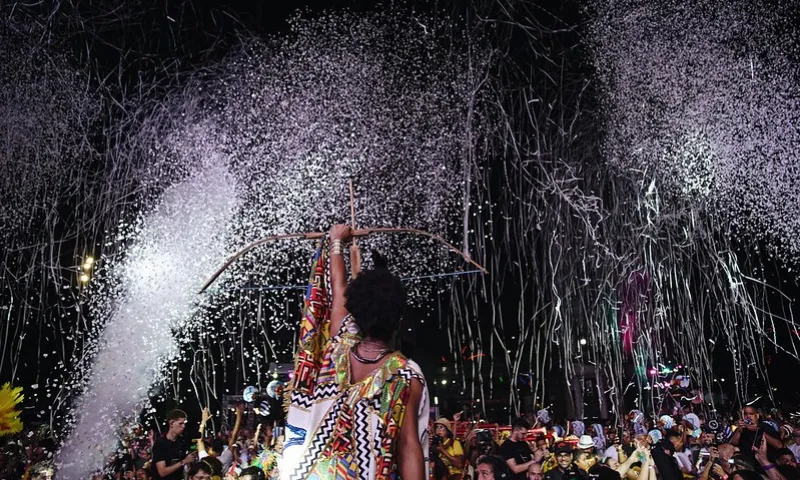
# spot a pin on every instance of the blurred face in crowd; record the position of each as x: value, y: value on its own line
x: 535, y: 472
x: 613, y: 464
x: 176, y: 427
x: 796, y: 435
x: 441, y: 431
x: 787, y: 459
x: 626, y: 437
x: 542, y: 443
x: 143, y: 453
x: 726, y: 451
x: 585, y: 460
x: 611, y: 437
x: 141, y: 474
x: 706, y: 439
x: 750, y: 415
x: 564, y: 459
x: 518, y: 434
x: 678, y: 443
x: 485, y: 471
x: 643, y: 441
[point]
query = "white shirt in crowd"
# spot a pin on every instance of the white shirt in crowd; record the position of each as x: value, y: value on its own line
x: 795, y: 448
x: 684, y: 461
x: 225, y: 458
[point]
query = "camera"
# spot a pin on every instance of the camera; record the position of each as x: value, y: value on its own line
x: 436, y: 441
x: 485, y: 441
x: 484, y: 437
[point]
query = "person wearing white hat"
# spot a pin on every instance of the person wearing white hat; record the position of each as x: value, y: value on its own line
x: 585, y: 443
x: 585, y: 457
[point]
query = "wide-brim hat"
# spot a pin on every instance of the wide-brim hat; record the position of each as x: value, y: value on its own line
x: 585, y: 442
x: 445, y: 423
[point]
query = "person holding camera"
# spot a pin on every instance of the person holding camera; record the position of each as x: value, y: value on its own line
x: 448, y: 449
x: 478, y: 442
x: 750, y: 429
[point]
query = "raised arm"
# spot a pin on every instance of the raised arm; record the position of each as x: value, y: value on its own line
x: 201, y: 446
x: 761, y: 455
x: 623, y: 467
x: 236, y: 426
x: 339, y: 236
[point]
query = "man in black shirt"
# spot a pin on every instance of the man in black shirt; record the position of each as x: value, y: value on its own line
x: 169, y: 451
x: 516, y: 451
x: 565, y: 466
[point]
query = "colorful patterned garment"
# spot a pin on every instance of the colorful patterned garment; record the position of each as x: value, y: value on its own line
x: 335, y: 429
x: 267, y: 461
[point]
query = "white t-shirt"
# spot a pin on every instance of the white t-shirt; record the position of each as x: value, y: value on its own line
x: 684, y: 461
x: 795, y: 448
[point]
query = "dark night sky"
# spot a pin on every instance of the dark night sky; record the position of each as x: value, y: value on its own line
x: 200, y: 31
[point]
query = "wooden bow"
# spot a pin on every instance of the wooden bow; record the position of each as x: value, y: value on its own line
x: 318, y: 235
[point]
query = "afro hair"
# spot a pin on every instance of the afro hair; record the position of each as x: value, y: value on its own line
x: 376, y: 300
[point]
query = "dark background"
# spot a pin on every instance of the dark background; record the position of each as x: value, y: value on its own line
x: 166, y: 41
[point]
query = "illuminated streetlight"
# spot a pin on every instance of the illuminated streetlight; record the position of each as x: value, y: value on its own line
x: 84, y: 278
x: 583, y: 341
x: 89, y: 260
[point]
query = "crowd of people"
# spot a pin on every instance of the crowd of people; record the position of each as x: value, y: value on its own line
x: 358, y: 409
x: 672, y: 447
x: 236, y: 454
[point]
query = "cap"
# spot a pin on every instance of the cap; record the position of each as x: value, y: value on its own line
x: 563, y: 447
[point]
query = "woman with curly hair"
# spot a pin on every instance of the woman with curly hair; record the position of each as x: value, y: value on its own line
x: 358, y: 408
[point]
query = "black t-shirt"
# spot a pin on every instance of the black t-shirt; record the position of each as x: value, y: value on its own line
x: 571, y: 473
x: 603, y: 472
x: 170, y: 452
x: 666, y: 464
x: 520, y: 452
x: 747, y: 440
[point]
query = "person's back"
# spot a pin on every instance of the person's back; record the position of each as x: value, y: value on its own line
x: 358, y: 407
x: 666, y: 463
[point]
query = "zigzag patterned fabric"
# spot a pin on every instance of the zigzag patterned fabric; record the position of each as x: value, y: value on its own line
x: 335, y: 429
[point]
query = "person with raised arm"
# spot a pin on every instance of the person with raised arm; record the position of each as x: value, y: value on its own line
x: 358, y: 408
